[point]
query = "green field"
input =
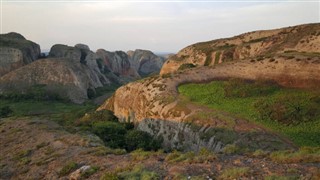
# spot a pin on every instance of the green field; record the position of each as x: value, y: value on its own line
x: 301, y: 125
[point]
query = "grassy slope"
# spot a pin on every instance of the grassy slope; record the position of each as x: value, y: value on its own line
x: 62, y: 112
x: 212, y: 95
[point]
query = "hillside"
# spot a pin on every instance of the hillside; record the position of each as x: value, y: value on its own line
x: 302, y: 39
x: 76, y: 74
x: 155, y: 105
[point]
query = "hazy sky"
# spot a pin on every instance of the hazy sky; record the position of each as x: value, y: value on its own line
x: 161, y: 26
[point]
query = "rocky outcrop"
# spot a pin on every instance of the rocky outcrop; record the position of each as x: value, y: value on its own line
x: 302, y: 38
x: 145, y: 62
x: 58, y: 76
x: 118, y: 63
x: 16, y: 51
x: 81, y: 54
x: 156, y: 99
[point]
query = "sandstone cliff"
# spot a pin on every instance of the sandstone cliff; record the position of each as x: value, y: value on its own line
x: 155, y: 105
x: 16, y: 51
x: 145, y: 62
x: 118, y: 63
x: 302, y: 38
x: 58, y: 76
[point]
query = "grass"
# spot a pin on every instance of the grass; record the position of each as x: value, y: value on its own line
x: 203, y: 156
x: 213, y: 96
x: 62, y: 112
x: 68, y: 168
x: 234, y: 173
x: 305, y: 155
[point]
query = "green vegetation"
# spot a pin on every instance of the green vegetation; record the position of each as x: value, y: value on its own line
x: 291, y: 112
x: 68, y: 168
x: 5, y: 111
x: 115, y: 134
x: 234, y: 173
x: 37, y: 92
x: 203, y: 156
x: 305, y: 154
x: 186, y: 66
x: 138, y: 172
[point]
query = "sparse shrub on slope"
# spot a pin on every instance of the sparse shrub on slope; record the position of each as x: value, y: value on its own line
x: 5, y: 111
x: 115, y: 134
x: 186, y: 66
x: 138, y: 139
x: 289, y: 109
x: 110, y: 132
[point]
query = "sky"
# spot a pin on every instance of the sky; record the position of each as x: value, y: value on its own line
x: 159, y: 26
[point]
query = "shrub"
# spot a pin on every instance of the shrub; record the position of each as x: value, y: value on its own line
x: 186, y: 66
x: 138, y: 139
x: 110, y: 132
x: 97, y: 116
x: 91, y: 93
x: 68, y: 168
x: 5, y: 111
x: 289, y: 109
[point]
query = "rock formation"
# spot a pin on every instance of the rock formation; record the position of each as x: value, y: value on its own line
x: 303, y: 38
x: 145, y: 62
x: 16, y: 51
x: 58, y: 76
x: 155, y: 101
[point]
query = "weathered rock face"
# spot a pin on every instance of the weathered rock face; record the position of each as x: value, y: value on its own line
x: 155, y: 101
x: 145, y: 62
x: 16, y: 51
x: 59, y: 76
x: 81, y: 54
x: 11, y: 59
x: 303, y: 38
x: 117, y: 62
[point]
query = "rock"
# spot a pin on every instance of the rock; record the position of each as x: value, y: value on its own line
x: 118, y: 63
x: 76, y: 175
x: 11, y: 59
x: 154, y: 101
x: 82, y: 46
x: 145, y: 62
x: 64, y: 51
x: 16, y: 51
x: 81, y: 54
x: 57, y: 76
x: 300, y: 39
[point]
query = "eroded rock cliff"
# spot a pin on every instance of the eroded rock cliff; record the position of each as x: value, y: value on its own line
x: 16, y: 51
x: 302, y: 38
x: 153, y: 102
x: 145, y: 62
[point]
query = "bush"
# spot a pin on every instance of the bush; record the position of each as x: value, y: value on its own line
x: 138, y: 139
x: 186, y: 66
x: 289, y: 109
x: 110, y: 132
x: 5, y: 111
x: 97, y: 116
x: 68, y: 168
